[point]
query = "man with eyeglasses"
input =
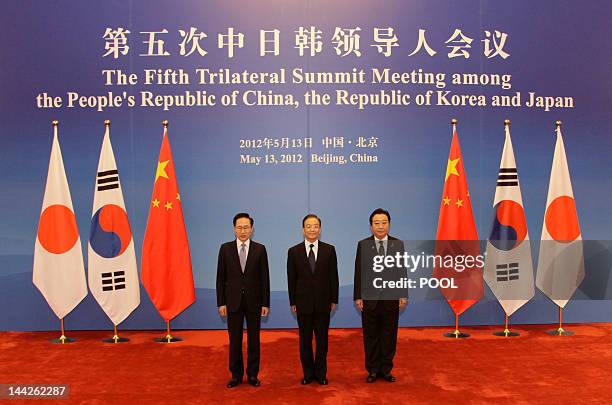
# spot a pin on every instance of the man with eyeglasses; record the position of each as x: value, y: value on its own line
x: 243, y: 291
x: 312, y: 276
x: 379, y: 312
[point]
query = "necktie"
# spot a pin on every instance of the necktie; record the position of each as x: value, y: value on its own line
x: 381, y: 248
x: 311, y: 258
x: 243, y: 256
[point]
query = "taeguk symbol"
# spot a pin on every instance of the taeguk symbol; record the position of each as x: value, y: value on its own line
x: 110, y: 231
x: 509, y: 225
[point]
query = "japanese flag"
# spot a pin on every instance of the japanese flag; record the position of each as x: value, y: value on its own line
x: 58, y: 260
x: 561, y: 260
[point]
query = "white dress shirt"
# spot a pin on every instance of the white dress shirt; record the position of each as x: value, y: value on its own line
x: 315, y: 248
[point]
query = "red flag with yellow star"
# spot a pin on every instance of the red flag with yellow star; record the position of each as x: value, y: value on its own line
x: 166, y: 262
x: 457, y: 237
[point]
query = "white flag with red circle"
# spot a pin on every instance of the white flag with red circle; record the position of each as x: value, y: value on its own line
x: 561, y: 259
x: 58, y: 259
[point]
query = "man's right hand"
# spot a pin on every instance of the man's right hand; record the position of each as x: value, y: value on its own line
x: 359, y: 304
x: 293, y: 309
x: 223, y: 310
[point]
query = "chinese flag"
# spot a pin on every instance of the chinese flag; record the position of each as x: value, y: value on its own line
x: 457, y: 237
x: 166, y: 263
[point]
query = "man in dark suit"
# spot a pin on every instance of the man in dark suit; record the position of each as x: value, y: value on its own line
x: 379, y: 313
x: 312, y: 275
x: 243, y: 291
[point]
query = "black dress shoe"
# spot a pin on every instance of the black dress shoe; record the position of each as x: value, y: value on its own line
x: 306, y: 381
x: 323, y: 381
x: 254, y: 381
x: 389, y: 377
x: 233, y: 382
x: 371, y: 378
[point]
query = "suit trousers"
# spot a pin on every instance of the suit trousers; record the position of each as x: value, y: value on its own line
x: 235, y: 328
x: 379, y: 337
x: 313, y: 366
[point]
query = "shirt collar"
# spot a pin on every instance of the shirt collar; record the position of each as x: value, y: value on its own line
x: 307, y: 244
x: 246, y: 242
x: 386, y: 238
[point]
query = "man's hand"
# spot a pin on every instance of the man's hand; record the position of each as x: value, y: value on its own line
x: 223, y: 310
x: 294, y: 309
x: 332, y: 307
x: 403, y: 302
x: 265, y: 311
x: 359, y: 304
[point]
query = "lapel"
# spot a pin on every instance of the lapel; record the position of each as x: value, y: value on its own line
x: 250, y: 257
x: 373, y: 247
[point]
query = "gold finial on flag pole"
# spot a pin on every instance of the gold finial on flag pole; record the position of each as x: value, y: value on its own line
x: 506, y: 122
x: 55, y: 123
x: 165, y: 124
x: 454, y: 121
x: 107, y: 123
x: 558, y: 124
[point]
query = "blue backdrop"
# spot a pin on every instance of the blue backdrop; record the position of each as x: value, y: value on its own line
x: 556, y: 48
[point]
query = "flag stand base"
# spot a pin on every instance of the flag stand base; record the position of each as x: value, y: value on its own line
x: 63, y: 339
x: 559, y: 332
x: 457, y: 335
x: 116, y: 339
x: 168, y: 339
x: 506, y: 333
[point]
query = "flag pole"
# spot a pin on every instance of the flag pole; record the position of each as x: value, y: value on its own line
x: 560, y: 331
x: 168, y: 338
x: 457, y: 334
x: 506, y: 332
x: 116, y: 338
x: 63, y: 338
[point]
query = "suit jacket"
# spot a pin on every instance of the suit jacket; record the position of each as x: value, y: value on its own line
x: 366, y: 250
x: 312, y: 292
x: 254, y: 283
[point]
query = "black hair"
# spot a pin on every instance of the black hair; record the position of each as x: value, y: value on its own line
x: 242, y: 215
x: 310, y: 216
x: 379, y: 211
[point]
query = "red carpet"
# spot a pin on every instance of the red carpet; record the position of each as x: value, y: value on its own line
x: 532, y: 368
